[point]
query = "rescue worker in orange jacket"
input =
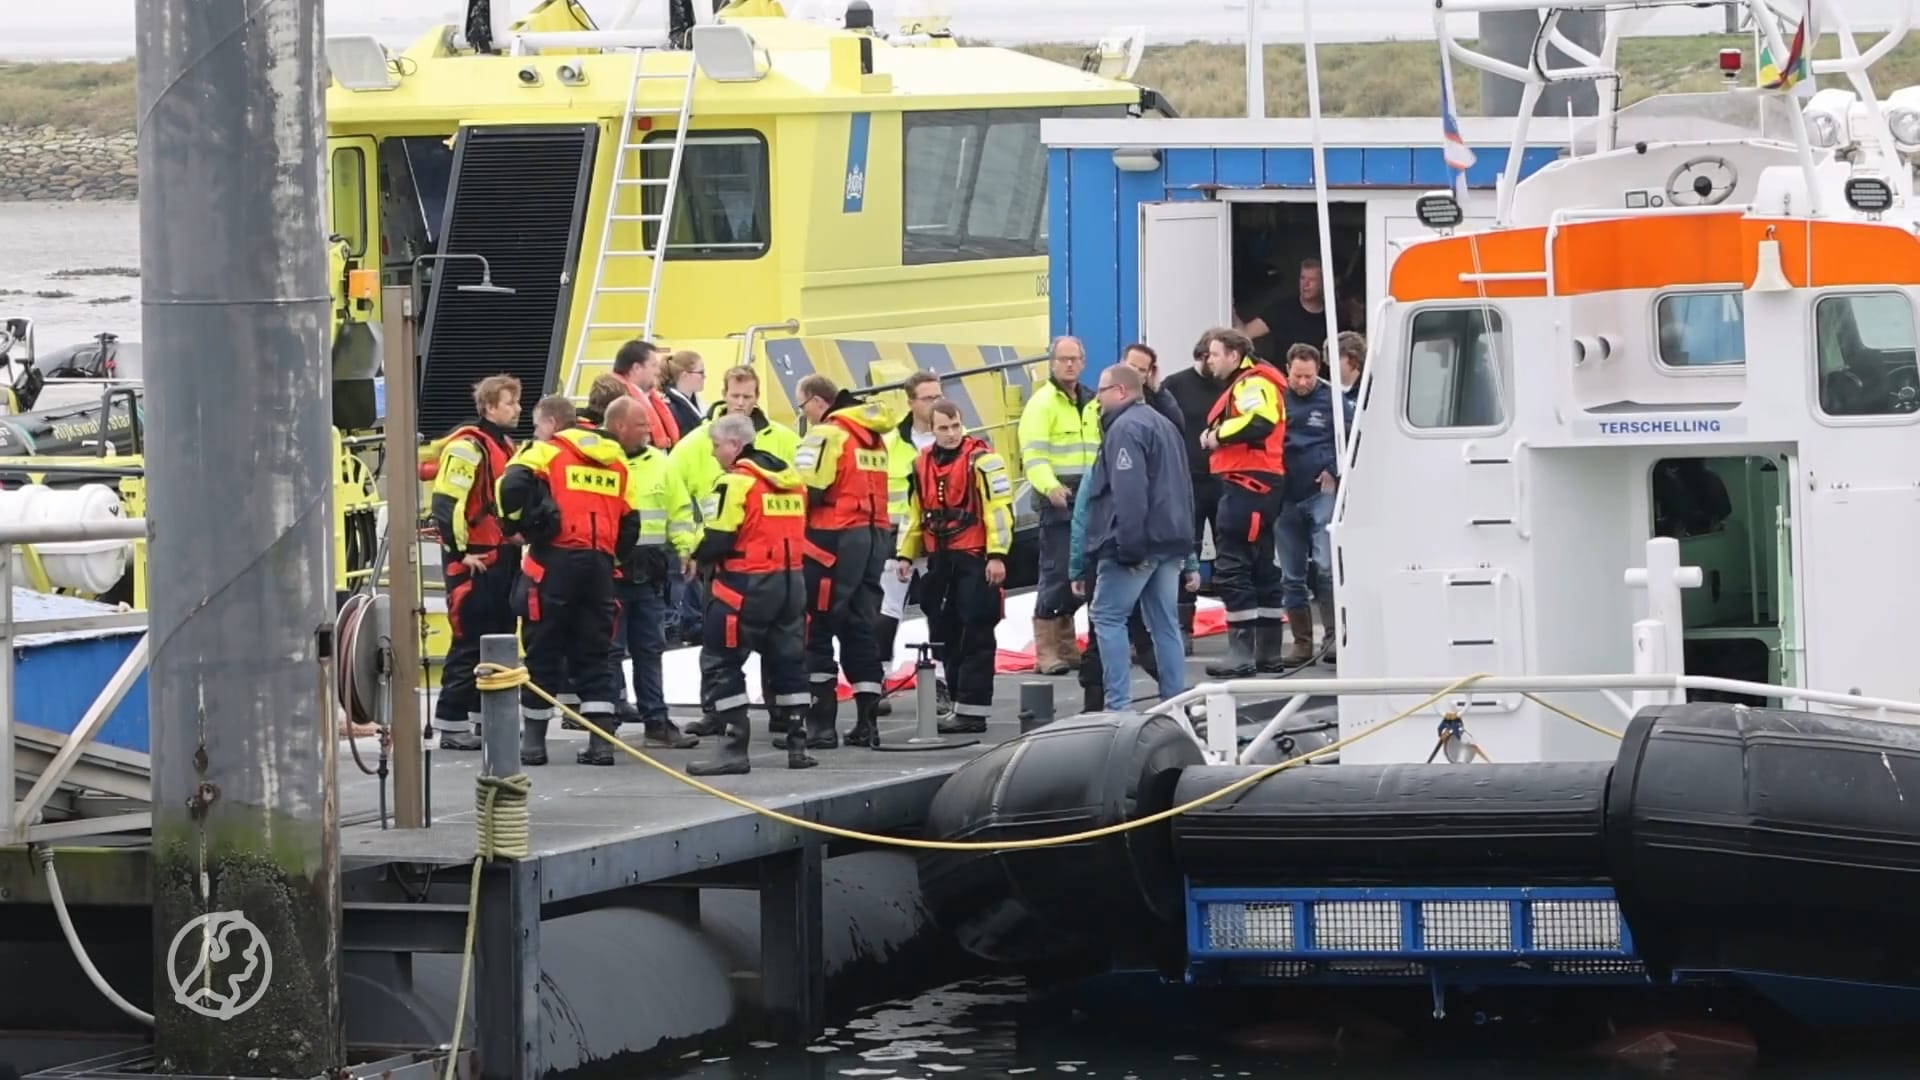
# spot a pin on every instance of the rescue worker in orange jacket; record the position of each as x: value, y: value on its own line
x: 1245, y: 433
x: 843, y: 461
x: 477, y: 563
x: 960, y: 515
x: 750, y: 552
x: 567, y: 496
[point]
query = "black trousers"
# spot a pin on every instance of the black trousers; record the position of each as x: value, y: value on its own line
x: 566, y: 598
x: 753, y: 613
x: 477, y: 605
x: 1206, y: 508
x: 1053, y: 597
x: 843, y: 568
x: 1245, y: 575
x: 962, y: 612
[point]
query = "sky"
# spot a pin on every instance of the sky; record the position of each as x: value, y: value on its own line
x: 103, y: 29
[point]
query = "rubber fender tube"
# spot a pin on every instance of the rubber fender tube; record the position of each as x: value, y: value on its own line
x: 1066, y: 903
x: 1769, y: 840
x: 1412, y: 824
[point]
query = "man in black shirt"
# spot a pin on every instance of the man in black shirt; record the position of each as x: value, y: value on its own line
x: 1293, y: 320
x: 1195, y: 392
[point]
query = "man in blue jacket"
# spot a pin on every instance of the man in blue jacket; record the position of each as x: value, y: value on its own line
x: 1306, y: 505
x: 1139, y: 531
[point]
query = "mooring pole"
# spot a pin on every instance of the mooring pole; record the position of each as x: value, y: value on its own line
x: 403, y: 558
x: 246, y: 895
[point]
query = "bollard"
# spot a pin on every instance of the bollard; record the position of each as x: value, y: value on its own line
x: 500, y: 711
x: 1036, y: 705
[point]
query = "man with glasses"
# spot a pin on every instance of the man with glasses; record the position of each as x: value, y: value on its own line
x: 1139, y: 522
x: 1059, y: 434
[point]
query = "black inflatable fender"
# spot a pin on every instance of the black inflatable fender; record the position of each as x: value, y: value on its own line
x: 1768, y: 840
x: 1068, y: 903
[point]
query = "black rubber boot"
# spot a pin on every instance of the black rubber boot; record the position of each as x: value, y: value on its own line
x: 866, y: 725
x: 623, y: 714
x: 598, y: 752
x: 1239, y: 661
x: 1093, y: 695
x: 665, y: 736
x: 816, y: 729
x: 797, y: 740
x: 1187, y: 610
x: 962, y: 725
x: 455, y: 739
x: 1270, y: 647
x: 733, y: 752
x: 708, y: 724
x: 533, y: 741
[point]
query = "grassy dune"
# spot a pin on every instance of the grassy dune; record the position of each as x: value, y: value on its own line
x: 89, y: 97
x: 1377, y: 79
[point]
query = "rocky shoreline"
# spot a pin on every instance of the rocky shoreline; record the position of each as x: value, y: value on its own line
x: 47, y: 163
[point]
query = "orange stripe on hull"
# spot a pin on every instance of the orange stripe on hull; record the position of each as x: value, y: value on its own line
x: 1657, y: 253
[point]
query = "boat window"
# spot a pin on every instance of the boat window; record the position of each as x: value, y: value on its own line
x: 1702, y: 329
x: 349, y: 216
x: 1457, y: 369
x: 721, y: 207
x: 974, y: 185
x: 1866, y: 355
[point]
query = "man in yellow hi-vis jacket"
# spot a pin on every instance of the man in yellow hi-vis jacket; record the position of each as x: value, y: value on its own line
x: 1059, y: 435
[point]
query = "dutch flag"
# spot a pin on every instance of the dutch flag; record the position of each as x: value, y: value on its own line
x: 1453, y: 145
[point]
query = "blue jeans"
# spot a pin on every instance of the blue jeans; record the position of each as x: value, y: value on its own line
x: 1301, y: 534
x: 1155, y: 586
x: 642, y: 637
x: 685, y: 605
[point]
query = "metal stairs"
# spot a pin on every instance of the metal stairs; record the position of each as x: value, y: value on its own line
x: 630, y: 174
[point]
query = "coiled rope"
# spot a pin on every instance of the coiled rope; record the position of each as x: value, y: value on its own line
x: 502, y: 830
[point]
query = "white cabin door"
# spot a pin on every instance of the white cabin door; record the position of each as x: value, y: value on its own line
x: 1186, y: 277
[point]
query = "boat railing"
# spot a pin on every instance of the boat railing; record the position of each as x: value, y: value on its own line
x: 751, y: 335
x: 1541, y: 72
x: 1220, y: 740
x: 1659, y: 678
x: 63, y: 757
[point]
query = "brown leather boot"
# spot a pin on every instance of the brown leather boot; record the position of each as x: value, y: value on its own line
x: 1300, y: 621
x: 1327, y: 628
x: 1068, y: 642
x: 1046, y: 649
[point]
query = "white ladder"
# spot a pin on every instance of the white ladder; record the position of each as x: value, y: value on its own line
x: 629, y: 174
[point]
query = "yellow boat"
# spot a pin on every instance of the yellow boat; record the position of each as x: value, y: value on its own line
x: 835, y: 200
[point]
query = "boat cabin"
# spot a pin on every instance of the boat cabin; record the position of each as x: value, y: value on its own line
x: 813, y: 181
x: 1697, y: 323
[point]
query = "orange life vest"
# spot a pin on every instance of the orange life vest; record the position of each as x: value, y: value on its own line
x: 483, y: 517
x: 591, y: 498
x: 857, y: 498
x: 951, y: 517
x: 773, y: 527
x: 666, y: 430
x: 1263, y: 456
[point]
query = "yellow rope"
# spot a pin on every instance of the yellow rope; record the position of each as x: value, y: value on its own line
x: 1600, y: 729
x: 501, y: 830
x: 496, y: 677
